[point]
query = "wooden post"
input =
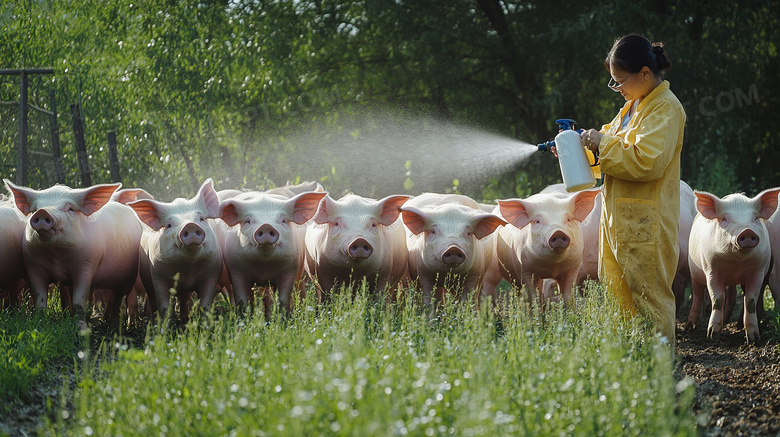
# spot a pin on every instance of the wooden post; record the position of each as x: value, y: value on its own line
x: 21, y: 160
x: 55, y: 139
x: 113, y: 157
x: 81, y: 145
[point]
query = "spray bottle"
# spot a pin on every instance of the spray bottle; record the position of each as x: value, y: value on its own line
x: 575, y: 170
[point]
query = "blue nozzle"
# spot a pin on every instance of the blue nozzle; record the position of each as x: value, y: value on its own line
x: 546, y: 146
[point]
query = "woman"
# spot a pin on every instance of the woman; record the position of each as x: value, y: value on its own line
x: 639, y: 153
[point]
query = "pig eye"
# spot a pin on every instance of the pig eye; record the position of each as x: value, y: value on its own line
x: 70, y: 209
x: 169, y: 226
x: 284, y: 221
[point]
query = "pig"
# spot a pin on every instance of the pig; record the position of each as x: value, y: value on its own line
x: 178, y: 240
x: 449, y: 244
x: 687, y: 214
x: 356, y: 238
x: 264, y: 243
x: 544, y: 239
x: 289, y: 190
x: 125, y: 196
x: 79, y: 238
x: 590, y: 237
x: 729, y: 245
x: 773, y: 228
x: 12, y: 226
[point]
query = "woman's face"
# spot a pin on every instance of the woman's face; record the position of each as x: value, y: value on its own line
x: 632, y: 85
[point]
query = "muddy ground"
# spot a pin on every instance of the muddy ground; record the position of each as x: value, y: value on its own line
x: 737, y: 386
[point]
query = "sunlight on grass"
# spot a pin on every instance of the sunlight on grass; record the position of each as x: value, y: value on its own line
x: 28, y: 342
x: 359, y: 367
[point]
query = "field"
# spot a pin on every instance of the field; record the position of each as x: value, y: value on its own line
x: 358, y: 367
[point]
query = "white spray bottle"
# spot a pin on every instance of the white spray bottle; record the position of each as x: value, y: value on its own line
x: 575, y: 169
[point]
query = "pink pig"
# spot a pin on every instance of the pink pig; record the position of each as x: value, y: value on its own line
x: 79, y: 238
x: 448, y: 238
x: 544, y: 240
x: 12, y: 224
x: 264, y: 243
x: 773, y: 228
x: 729, y: 245
x: 687, y: 214
x: 356, y: 238
x: 178, y: 240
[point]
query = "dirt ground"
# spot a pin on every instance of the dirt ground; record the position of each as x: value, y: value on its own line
x: 737, y: 385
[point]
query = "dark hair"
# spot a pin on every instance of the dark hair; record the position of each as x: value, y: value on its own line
x: 632, y: 52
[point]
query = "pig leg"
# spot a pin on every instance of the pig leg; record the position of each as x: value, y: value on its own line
x: 490, y: 283
x: 718, y: 297
x: 678, y: 287
x: 325, y: 286
x: 39, y: 289
x: 284, y: 287
x: 731, y: 300
x: 162, y: 297
x: 698, y: 295
x: 207, y: 293
x: 566, y: 285
x: 752, y: 293
x: 81, y: 291
x: 241, y: 290
x: 112, y: 314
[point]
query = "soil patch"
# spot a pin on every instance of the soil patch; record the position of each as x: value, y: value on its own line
x: 737, y: 385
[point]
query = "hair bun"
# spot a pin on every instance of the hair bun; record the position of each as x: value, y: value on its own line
x: 658, y: 49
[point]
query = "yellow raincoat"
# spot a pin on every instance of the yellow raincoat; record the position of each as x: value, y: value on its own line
x: 641, y: 193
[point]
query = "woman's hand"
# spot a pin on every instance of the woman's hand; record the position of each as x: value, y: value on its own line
x: 591, y: 139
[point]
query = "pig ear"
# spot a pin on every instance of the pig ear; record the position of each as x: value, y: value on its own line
x: 707, y: 204
x: 149, y: 212
x: 388, y: 209
x: 767, y: 202
x: 209, y: 197
x: 320, y: 188
x: 23, y: 197
x: 583, y: 203
x: 414, y: 219
x: 485, y: 224
x: 93, y: 198
x: 515, y: 212
x: 228, y: 212
x: 304, y: 206
x: 327, y: 205
x: 128, y: 195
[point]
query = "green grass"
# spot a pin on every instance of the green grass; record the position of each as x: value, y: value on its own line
x: 28, y: 342
x: 361, y: 368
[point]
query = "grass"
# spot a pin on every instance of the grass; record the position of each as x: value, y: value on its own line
x: 361, y: 368
x: 28, y: 343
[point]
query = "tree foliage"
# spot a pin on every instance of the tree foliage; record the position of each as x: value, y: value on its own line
x: 258, y: 92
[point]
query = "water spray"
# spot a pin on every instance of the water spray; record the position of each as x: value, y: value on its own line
x: 575, y: 169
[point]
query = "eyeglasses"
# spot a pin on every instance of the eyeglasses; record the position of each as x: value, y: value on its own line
x: 615, y: 86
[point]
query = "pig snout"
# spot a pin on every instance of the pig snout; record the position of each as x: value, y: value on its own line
x: 559, y: 240
x: 747, y: 239
x: 266, y: 235
x: 192, y: 235
x: 42, y: 221
x: 360, y: 249
x: 453, y: 256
